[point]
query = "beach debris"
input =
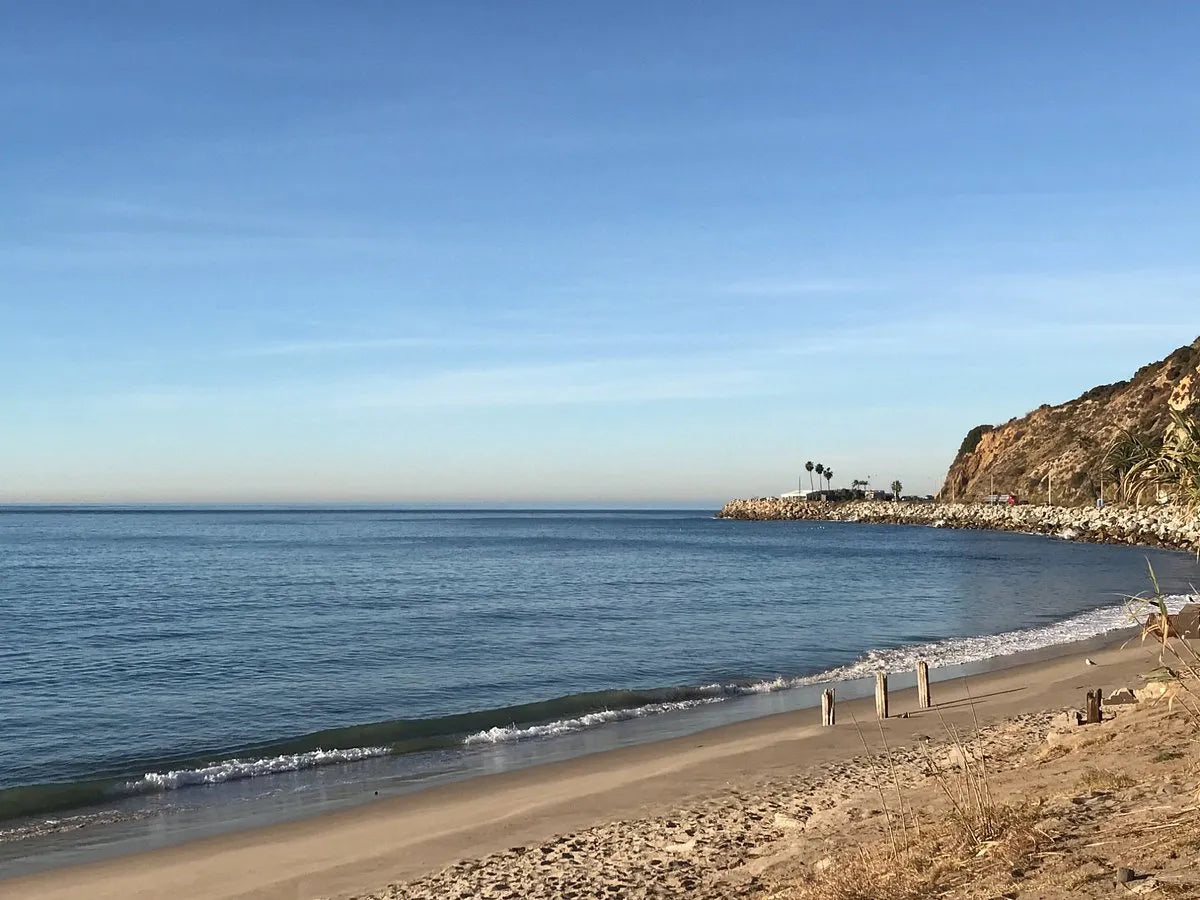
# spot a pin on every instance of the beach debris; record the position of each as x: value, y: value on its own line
x: 1121, y: 696
x: 1145, y: 885
x: 1123, y: 875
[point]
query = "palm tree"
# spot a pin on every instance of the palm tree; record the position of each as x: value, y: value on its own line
x: 820, y: 471
x: 897, y: 487
x: 1177, y: 467
x: 829, y: 476
x: 1130, y: 462
x: 809, y: 468
x: 1169, y: 465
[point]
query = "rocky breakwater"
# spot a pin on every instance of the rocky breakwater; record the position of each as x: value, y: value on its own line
x: 1161, y: 526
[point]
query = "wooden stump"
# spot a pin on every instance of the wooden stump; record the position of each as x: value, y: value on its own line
x: 923, y: 700
x: 828, y: 714
x: 1095, y: 708
x: 881, y: 697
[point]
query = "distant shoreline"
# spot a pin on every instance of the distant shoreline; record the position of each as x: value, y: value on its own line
x: 1165, y: 527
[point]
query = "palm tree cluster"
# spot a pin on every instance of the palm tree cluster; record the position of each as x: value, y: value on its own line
x: 822, y: 472
x: 1168, y: 465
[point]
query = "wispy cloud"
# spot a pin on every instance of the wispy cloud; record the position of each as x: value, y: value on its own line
x: 112, y: 248
x: 350, y: 346
x: 457, y: 339
x: 88, y: 232
x: 802, y: 286
x: 1090, y: 287
x: 607, y: 381
x: 135, y: 213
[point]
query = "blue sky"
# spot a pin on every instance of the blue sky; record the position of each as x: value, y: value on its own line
x: 560, y: 253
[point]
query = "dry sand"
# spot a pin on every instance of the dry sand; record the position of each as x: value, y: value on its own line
x: 739, y: 811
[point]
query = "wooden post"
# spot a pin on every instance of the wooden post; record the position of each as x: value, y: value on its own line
x: 881, y: 700
x: 828, y: 715
x: 1094, y: 707
x: 923, y: 700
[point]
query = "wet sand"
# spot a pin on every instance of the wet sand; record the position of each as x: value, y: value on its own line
x: 392, y: 841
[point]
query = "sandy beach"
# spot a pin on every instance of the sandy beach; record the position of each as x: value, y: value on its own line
x: 694, y: 816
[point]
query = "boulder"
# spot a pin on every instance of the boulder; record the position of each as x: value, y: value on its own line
x: 1155, y: 690
x: 1185, y: 623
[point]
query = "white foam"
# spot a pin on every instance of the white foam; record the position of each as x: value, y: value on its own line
x: 236, y: 769
x: 579, y: 723
x: 957, y: 651
x: 939, y: 654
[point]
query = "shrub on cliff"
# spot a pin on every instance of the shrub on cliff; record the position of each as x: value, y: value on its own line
x: 1169, y: 466
x: 974, y: 436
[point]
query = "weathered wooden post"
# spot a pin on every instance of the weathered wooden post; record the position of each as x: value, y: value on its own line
x: 1094, y: 710
x: 828, y: 715
x: 881, y: 698
x: 923, y: 700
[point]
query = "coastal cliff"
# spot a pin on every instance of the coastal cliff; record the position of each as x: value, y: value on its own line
x: 1068, y: 442
x: 1172, y: 528
x: 1136, y: 442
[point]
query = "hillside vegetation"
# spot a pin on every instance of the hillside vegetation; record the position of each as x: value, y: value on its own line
x: 1138, y: 439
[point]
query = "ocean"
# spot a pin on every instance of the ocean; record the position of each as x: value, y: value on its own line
x: 168, y: 673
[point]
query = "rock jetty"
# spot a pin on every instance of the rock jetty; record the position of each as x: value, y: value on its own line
x: 1163, y: 526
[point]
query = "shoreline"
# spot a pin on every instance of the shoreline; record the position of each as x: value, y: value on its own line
x: 363, y: 847
x: 1163, y: 527
x: 103, y: 832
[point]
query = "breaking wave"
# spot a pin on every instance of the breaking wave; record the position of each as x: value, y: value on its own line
x: 530, y: 721
x: 236, y: 769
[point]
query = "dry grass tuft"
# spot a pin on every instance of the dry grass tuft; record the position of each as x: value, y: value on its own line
x: 1179, y: 658
x: 947, y: 855
x: 921, y: 856
x: 871, y: 873
x: 1104, y: 780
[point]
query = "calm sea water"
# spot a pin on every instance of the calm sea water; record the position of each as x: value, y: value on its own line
x: 164, y: 654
